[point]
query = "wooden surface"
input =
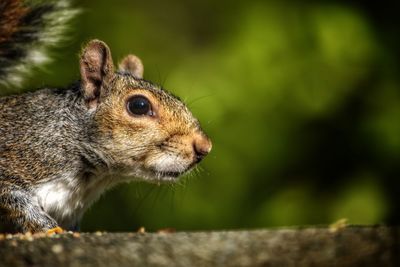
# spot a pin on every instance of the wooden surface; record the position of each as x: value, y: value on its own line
x: 319, y: 246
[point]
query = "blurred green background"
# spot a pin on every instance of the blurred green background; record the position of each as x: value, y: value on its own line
x: 300, y: 99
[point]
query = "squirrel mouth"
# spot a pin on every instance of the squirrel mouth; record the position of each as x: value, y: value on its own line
x: 175, y: 174
x: 168, y: 173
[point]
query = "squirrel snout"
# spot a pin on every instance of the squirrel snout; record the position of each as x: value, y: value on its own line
x: 201, y: 146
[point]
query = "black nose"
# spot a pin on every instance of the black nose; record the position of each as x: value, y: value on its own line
x: 199, y: 156
x: 201, y: 146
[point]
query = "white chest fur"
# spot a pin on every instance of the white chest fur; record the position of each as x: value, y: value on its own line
x: 66, y: 198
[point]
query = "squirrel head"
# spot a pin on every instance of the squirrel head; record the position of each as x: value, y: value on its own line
x: 142, y: 130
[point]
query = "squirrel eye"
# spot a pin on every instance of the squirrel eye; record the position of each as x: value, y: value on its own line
x: 139, y: 105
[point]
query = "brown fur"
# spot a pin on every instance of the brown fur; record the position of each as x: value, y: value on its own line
x: 13, y: 11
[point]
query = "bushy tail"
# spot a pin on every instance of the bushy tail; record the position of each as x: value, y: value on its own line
x: 27, y: 29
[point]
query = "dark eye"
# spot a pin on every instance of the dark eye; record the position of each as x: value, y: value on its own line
x: 139, y: 105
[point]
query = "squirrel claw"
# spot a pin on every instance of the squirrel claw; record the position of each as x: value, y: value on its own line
x: 55, y: 230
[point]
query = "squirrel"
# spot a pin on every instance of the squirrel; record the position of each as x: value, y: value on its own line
x: 61, y: 148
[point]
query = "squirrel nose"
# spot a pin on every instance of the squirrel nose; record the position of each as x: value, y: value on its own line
x: 201, y: 146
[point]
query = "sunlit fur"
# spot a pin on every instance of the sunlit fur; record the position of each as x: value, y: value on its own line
x: 149, y: 147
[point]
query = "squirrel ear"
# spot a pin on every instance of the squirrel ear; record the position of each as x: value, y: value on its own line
x: 133, y: 65
x: 96, y: 68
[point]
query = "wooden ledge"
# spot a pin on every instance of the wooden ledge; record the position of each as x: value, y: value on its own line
x: 310, y: 246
